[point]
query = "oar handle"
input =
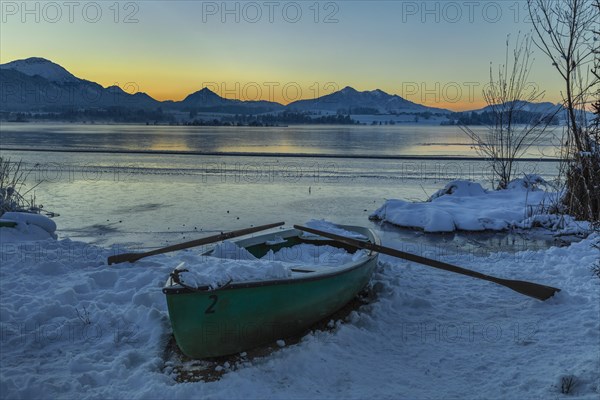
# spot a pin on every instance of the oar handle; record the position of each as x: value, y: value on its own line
x: 132, y: 257
x: 535, y: 290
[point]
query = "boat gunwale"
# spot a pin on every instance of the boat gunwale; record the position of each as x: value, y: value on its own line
x: 172, y: 290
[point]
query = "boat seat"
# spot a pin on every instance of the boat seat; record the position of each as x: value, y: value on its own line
x: 302, y: 270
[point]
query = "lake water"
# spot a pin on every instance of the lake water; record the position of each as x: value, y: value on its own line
x: 354, y: 141
x: 147, y: 186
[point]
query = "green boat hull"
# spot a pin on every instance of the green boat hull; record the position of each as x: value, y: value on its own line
x: 243, y: 316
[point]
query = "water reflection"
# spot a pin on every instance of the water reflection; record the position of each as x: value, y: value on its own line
x: 397, y: 140
x: 169, y: 143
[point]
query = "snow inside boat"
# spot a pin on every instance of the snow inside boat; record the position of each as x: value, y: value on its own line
x: 291, y: 282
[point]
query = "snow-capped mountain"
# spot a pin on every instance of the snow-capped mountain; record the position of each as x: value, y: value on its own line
x: 24, y: 92
x: 35, y: 84
x: 41, y: 67
x: 350, y: 100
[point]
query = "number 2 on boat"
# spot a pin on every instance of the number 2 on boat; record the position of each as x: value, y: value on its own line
x: 211, y: 307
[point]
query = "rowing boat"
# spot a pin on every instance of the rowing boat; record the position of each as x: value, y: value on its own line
x: 237, y: 316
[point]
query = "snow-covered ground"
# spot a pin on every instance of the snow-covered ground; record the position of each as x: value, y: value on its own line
x: 73, y: 327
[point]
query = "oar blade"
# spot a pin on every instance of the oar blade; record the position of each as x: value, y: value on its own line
x: 121, y: 258
x: 535, y: 290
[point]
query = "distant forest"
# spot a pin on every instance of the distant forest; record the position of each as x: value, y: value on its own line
x: 110, y: 114
x: 489, y: 118
x: 158, y: 116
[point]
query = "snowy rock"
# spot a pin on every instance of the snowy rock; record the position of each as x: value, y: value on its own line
x: 460, y: 188
x: 30, y: 227
x: 415, y: 215
x: 528, y: 182
x: 466, y: 206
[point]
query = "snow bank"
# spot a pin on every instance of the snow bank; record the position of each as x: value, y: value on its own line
x: 74, y: 328
x: 466, y: 206
x: 30, y: 227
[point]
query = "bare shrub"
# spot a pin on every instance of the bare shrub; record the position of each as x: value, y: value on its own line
x: 12, y: 185
x: 507, y: 96
x: 565, y: 33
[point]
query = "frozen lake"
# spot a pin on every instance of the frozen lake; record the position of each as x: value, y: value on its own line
x: 88, y: 330
x: 341, y: 140
x: 213, y: 179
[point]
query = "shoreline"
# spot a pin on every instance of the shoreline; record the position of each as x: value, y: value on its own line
x: 267, y: 154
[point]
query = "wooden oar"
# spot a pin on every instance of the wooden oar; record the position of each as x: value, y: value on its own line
x: 132, y: 257
x: 535, y: 290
